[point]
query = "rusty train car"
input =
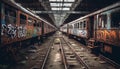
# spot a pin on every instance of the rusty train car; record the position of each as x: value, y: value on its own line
x: 20, y: 27
x: 18, y: 24
x: 99, y: 30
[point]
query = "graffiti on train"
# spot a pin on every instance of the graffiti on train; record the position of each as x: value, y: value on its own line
x: 22, y: 31
x: 29, y: 32
x: 9, y: 30
x: 104, y: 35
x: 82, y: 33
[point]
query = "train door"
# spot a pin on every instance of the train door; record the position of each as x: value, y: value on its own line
x: 42, y: 26
x: 91, y: 27
x: 115, y: 27
x: 1, y: 18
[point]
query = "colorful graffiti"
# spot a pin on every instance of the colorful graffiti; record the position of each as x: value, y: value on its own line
x: 9, y: 30
x: 82, y: 33
x: 35, y: 32
x: 29, y: 33
x: 22, y: 31
x: 38, y: 30
x: 109, y: 36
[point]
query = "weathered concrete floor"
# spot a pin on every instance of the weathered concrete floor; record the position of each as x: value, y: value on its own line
x: 54, y: 59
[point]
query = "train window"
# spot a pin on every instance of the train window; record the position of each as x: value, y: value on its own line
x: 74, y: 25
x: 80, y: 25
x: 115, y: 20
x: 84, y: 24
x: 40, y: 24
x: 70, y: 26
x: 30, y: 21
x: 10, y: 15
x: 22, y: 19
x: 102, y: 21
x: 35, y: 23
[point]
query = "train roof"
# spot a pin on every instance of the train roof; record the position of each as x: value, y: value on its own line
x: 13, y: 3
x: 99, y: 11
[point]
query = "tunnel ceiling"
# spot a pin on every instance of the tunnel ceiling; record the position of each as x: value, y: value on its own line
x: 36, y: 5
x: 89, y: 6
x: 77, y: 9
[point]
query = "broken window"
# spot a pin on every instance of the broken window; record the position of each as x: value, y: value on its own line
x: 84, y: 24
x: 102, y: 21
x: 115, y: 19
x: 30, y: 21
x: 80, y: 25
x: 10, y: 15
x: 22, y: 19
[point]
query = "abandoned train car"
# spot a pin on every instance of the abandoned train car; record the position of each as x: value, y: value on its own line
x: 99, y: 30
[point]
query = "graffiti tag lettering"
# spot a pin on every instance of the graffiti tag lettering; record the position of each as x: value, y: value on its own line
x: 22, y: 31
x: 9, y: 30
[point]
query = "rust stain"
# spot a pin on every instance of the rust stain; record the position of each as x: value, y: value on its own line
x: 107, y: 36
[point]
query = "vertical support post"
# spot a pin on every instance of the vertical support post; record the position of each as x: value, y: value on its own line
x: 42, y: 32
x: 0, y: 20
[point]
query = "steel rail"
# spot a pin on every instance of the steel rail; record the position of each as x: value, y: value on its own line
x: 63, y: 56
x: 44, y: 62
x: 78, y: 57
x: 116, y: 65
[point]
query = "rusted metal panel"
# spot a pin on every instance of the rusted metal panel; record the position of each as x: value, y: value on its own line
x: 108, y: 36
x: 8, y: 27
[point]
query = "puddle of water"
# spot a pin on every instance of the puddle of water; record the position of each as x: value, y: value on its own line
x: 73, y: 44
x: 57, y: 57
x: 57, y: 41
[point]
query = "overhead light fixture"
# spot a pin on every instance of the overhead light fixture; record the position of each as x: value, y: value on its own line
x: 56, y: 0
x: 69, y: 0
x: 62, y: 0
x: 56, y: 8
x: 67, y: 4
x: 65, y: 8
x: 56, y: 4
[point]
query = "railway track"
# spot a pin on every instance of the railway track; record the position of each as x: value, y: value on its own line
x: 70, y: 57
x: 73, y: 55
x: 76, y: 56
x: 110, y: 61
x: 43, y: 56
x: 36, y: 57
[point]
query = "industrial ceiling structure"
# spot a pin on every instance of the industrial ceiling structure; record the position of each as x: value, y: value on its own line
x: 59, y: 12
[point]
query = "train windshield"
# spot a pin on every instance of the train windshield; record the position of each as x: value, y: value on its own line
x: 115, y: 19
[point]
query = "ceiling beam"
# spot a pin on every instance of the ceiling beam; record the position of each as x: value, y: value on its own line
x: 60, y: 6
x: 57, y: 2
x: 59, y: 12
x: 46, y: 6
x: 74, y: 5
